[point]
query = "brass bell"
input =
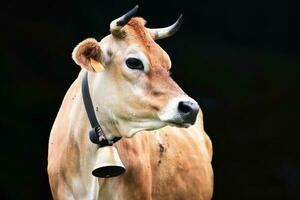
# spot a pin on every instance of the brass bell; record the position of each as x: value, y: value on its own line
x: 108, y: 163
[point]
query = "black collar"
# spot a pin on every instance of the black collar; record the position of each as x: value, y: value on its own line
x: 97, y: 135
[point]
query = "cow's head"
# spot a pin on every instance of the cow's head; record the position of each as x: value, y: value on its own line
x: 135, y: 91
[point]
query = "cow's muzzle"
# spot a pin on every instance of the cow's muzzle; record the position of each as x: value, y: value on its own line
x: 181, y: 112
x: 188, y: 111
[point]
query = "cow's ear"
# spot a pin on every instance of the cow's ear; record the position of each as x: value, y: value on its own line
x: 88, y: 55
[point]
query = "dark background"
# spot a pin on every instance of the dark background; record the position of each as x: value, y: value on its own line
x: 239, y: 59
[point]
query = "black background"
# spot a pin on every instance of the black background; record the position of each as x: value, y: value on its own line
x: 239, y: 59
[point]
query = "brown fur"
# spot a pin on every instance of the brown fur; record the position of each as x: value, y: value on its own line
x: 137, y: 30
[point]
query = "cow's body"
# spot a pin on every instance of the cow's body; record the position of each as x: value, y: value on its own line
x: 169, y: 163
x: 133, y: 93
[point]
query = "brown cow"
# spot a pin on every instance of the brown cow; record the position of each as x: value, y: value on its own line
x: 133, y: 94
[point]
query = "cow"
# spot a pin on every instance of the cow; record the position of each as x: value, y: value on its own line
x: 169, y: 158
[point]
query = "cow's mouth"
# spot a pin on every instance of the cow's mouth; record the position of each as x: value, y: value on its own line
x: 178, y: 124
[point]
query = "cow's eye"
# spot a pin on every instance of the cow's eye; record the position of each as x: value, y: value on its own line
x: 134, y: 63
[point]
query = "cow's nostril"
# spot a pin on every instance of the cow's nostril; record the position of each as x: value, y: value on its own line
x: 188, y: 111
x: 184, y: 107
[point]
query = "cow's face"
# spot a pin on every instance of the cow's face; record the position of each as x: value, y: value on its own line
x: 135, y: 91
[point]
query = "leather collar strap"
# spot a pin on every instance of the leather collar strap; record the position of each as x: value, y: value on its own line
x: 96, y: 134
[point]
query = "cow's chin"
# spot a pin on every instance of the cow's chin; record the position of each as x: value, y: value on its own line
x: 134, y: 127
x: 179, y: 125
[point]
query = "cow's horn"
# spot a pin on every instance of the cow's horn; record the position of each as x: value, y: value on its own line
x: 117, y: 25
x: 160, y: 33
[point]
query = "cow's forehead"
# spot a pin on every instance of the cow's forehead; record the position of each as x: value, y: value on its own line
x: 137, y: 33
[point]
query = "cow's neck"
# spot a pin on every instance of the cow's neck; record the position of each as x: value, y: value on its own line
x: 109, y: 127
